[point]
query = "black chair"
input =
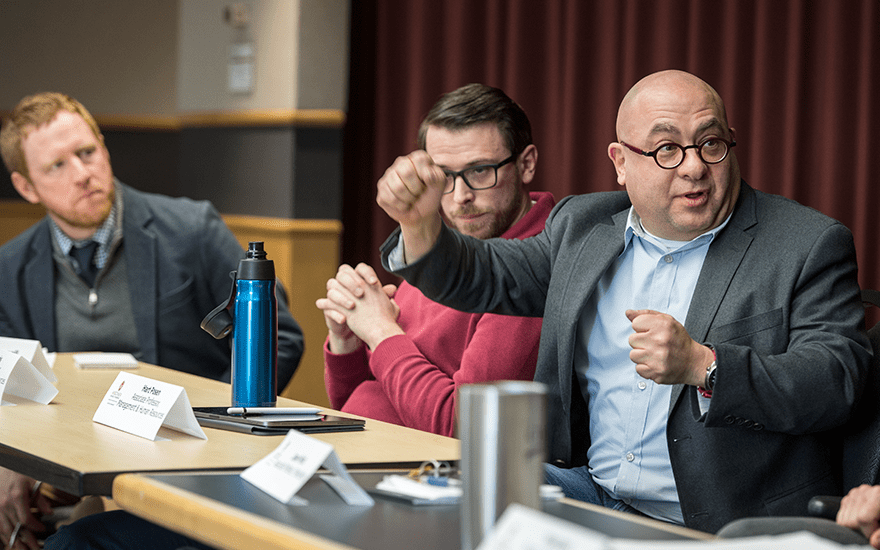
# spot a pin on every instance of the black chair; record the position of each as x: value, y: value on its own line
x: 861, y: 448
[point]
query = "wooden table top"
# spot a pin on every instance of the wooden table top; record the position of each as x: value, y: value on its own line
x: 60, y: 444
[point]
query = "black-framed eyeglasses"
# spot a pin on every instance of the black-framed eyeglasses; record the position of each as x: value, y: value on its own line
x: 670, y: 155
x: 482, y: 176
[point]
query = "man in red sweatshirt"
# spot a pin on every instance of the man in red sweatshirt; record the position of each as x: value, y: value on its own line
x: 392, y: 354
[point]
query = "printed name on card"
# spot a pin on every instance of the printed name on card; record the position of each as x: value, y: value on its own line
x: 141, y: 406
x: 285, y: 470
x: 20, y: 378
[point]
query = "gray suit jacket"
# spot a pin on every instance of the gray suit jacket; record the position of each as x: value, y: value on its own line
x: 179, y: 254
x: 777, y: 297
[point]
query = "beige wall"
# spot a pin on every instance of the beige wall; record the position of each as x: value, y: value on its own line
x: 169, y: 57
x: 205, y: 39
x: 117, y: 57
x: 323, y: 36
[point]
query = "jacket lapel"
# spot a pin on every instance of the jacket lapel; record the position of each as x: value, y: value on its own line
x: 39, y: 273
x: 598, y: 250
x: 725, y: 254
x: 141, y: 257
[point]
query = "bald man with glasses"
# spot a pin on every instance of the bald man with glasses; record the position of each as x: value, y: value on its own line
x: 703, y: 342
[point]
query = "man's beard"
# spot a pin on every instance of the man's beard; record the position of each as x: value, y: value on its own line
x: 499, y: 222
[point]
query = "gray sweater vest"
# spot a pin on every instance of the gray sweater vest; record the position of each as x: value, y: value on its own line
x: 98, y: 319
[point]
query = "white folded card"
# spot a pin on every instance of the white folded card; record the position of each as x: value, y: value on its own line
x: 32, y: 350
x: 104, y: 361
x: 285, y: 470
x: 20, y: 378
x: 522, y: 528
x: 141, y: 406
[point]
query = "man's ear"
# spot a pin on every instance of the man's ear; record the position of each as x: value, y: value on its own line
x: 25, y: 188
x: 615, y: 153
x: 528, y: 163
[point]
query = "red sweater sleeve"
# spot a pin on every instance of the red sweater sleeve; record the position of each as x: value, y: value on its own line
x: 343, y: 373
x: 502, y: 348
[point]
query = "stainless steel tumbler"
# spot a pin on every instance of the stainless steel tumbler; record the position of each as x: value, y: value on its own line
x: 502, y: 427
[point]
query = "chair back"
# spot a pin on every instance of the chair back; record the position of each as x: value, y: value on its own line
x: 861, y: 449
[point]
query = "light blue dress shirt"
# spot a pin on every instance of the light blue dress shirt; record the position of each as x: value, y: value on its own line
x: 628, y: 454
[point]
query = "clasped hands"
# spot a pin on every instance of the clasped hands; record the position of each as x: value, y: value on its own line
x: 358, y: 309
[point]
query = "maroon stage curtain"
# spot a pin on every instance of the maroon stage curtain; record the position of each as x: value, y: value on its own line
x: 800, y: 78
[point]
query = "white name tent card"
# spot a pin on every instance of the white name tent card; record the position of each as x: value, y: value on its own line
x: 32, y: 350
x: 20, y: 378
x: 285, y: 470
x: 141, y: 406
x: 522, y: 528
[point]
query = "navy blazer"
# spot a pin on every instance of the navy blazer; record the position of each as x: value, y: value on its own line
x: 777, y: 296
x: 178, y: 253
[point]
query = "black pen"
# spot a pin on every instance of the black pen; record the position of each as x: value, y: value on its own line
x: 257, y: 411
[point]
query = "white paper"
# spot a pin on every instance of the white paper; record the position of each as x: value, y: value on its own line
x: 283, y: 472
x: 20, y: 378
x: 523, y: 528
x: 32, y: 350
x: 412, y: 488
x: 140, y: 406
x: 801, y: 540
x: 104, y: 361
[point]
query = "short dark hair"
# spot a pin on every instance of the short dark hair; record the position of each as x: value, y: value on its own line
x: 476, y: 104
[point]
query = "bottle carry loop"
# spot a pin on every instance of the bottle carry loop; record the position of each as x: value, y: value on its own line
x: 218, y: 323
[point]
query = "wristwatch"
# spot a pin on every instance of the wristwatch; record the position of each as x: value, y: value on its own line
x: 709, y: 383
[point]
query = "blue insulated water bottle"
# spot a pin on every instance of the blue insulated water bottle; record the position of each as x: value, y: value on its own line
x: 255, y: 331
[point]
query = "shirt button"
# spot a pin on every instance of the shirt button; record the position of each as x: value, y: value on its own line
x: 630, y: 457
x: 667, y: 258
x: 642, y: 384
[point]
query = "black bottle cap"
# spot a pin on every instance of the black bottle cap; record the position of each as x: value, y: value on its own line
x: 255, y: 267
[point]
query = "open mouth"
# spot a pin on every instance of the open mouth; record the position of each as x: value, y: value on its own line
x: 696, y: 198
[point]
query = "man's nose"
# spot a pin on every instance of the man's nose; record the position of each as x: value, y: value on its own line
x: 79, y: 170
x: 462, y: 193
x: 693, y: 164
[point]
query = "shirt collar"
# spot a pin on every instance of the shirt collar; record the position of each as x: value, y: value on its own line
x: 103, y: 236
x: 634, y: 228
